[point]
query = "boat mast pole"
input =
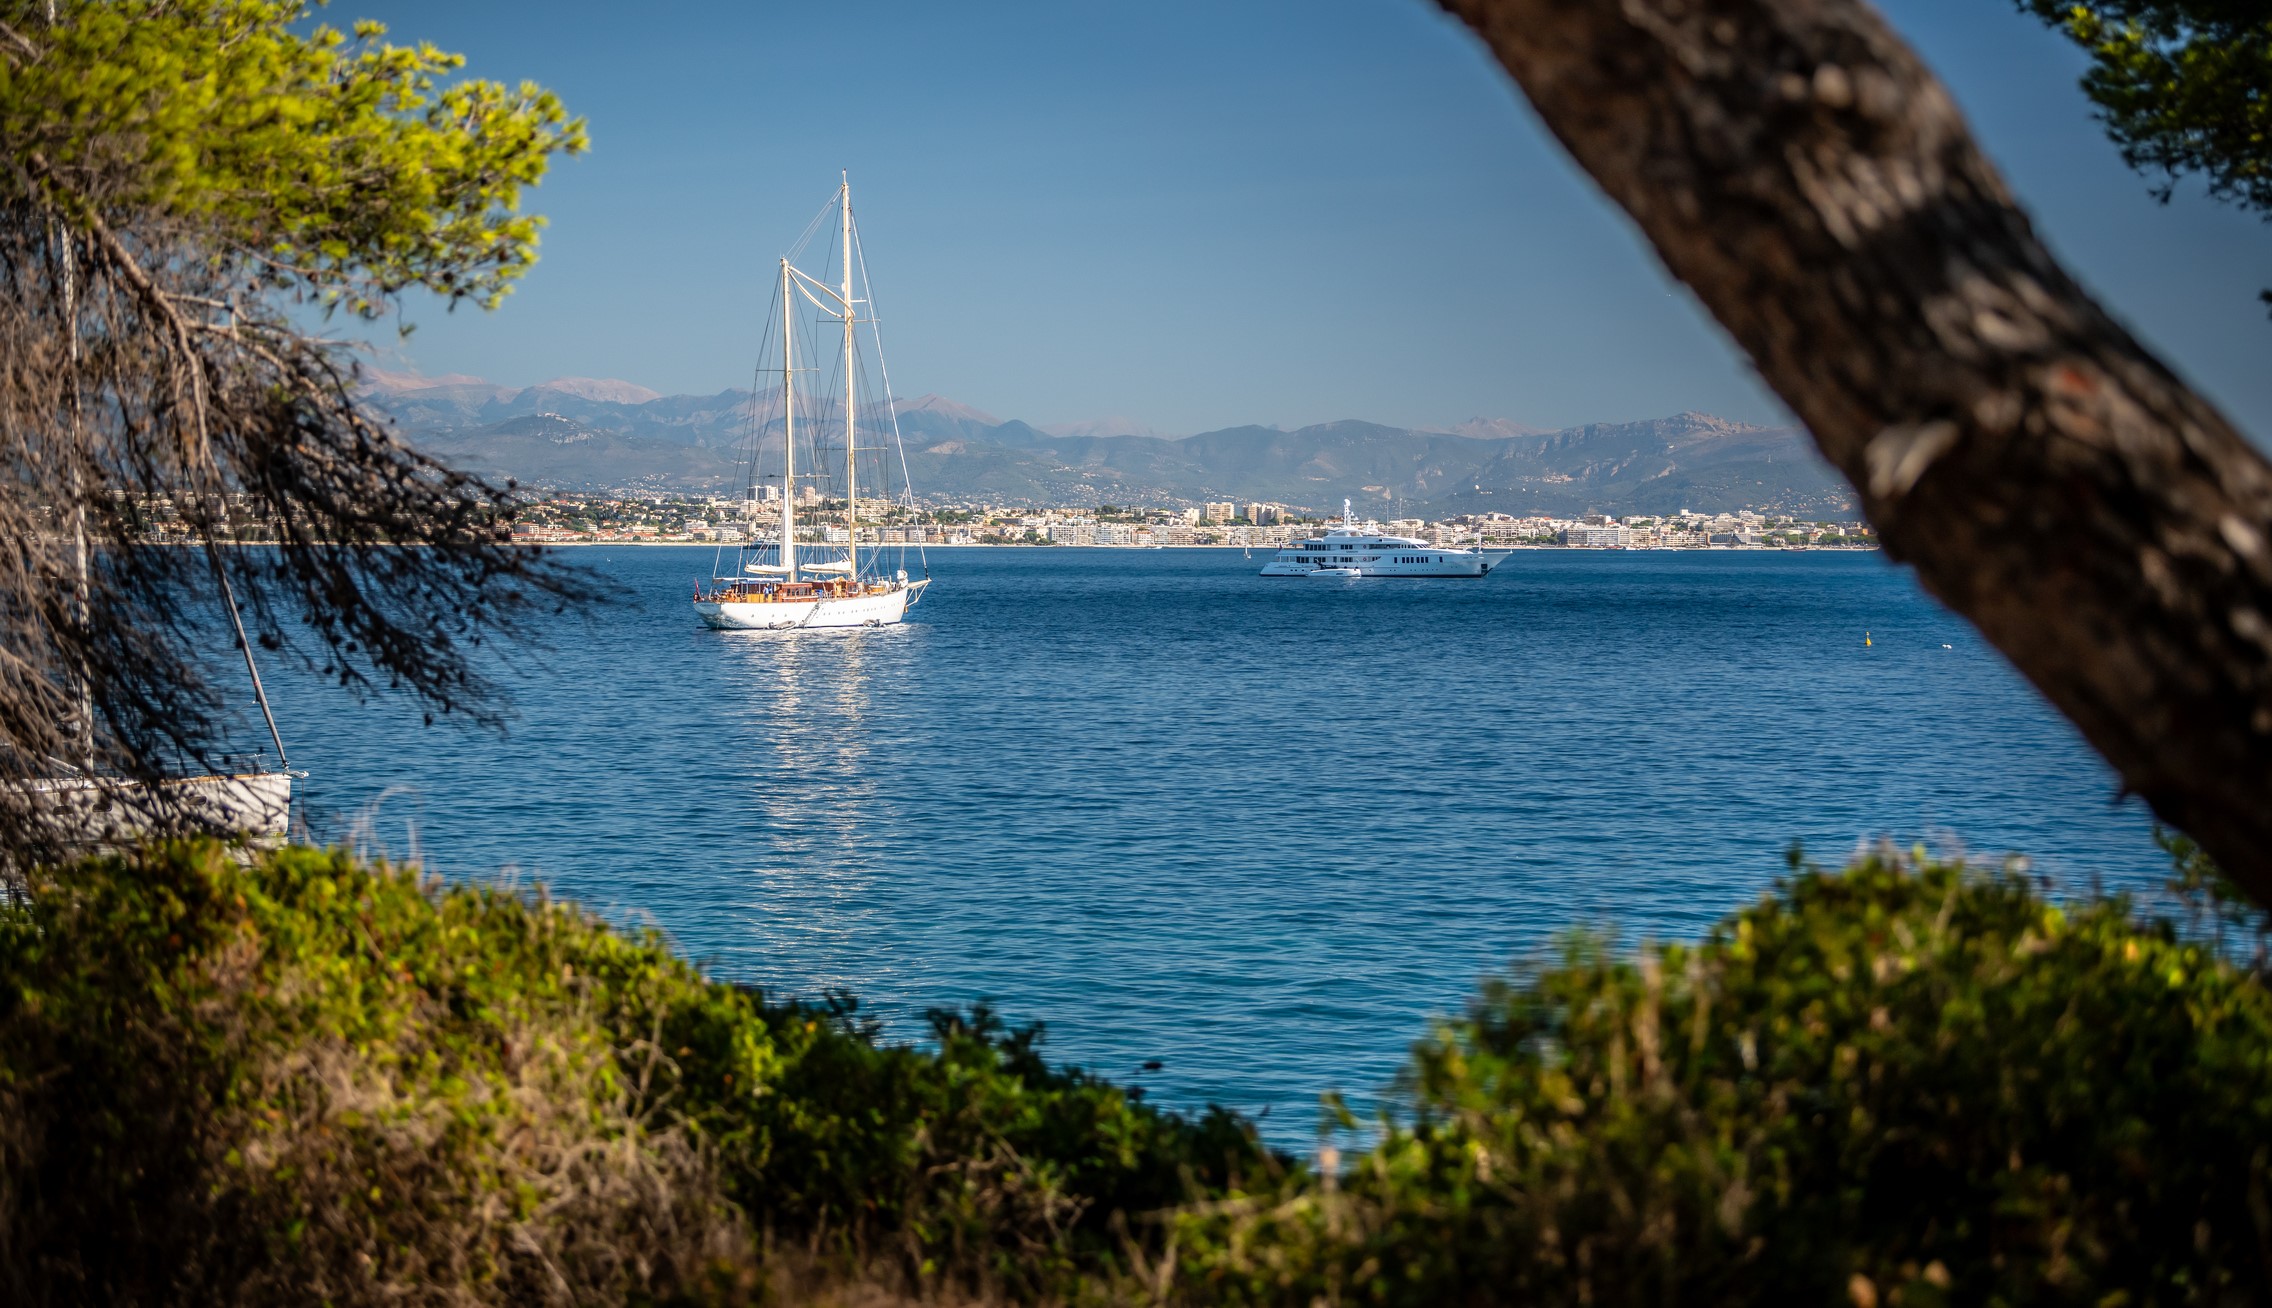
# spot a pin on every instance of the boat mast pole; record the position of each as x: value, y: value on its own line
x: 788, y: 432
x: 851, y: 451
x: 67, y: 246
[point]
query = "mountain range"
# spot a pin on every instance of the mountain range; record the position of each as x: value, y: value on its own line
x: 594, y: 434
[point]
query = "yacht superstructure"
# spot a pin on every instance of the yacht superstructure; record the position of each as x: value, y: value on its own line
x: 1364, y: 550
x: 782, y: 585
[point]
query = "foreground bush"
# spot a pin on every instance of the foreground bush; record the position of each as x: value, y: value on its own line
x: 315, y: 1079
x: 1906, y: 1083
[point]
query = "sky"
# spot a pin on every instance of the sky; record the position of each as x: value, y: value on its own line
x: 1195, y: 214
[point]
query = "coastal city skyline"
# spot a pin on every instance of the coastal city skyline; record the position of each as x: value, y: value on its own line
x: 687, y: 519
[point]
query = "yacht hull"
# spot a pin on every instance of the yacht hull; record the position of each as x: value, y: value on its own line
x: 1363, y: 550
x: 883, y: 609
x: 1441, y: 564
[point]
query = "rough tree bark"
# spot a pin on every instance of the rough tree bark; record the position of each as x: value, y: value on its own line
x: 1800, y: 169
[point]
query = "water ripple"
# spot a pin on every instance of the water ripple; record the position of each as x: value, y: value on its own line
x: 1263, y: 830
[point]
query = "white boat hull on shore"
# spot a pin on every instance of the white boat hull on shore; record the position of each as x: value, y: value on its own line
x: 109, y: 811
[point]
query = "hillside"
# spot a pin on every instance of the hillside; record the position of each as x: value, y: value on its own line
x: 594, y: 434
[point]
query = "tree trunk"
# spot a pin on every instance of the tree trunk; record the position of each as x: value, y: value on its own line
x: 1799, y: 168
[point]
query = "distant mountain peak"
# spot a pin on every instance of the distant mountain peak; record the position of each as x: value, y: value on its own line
x: 1115, y: 425
x: 606, y: 390
x: 1497, y: 429
x: 946, y: 408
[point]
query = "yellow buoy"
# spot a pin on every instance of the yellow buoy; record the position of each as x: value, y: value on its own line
x: 1865, y: 640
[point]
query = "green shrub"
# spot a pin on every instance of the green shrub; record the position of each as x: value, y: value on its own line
x: 308, y: 1078
x: 1906, y: 1083
x: 312, y: 1078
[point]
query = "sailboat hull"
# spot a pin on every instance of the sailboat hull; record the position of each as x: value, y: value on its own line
x: 881, y: 609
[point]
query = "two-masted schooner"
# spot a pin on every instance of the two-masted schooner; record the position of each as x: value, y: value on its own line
x: 780, y: 584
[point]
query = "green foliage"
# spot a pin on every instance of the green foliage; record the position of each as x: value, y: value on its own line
x: 310, y: 1076
x: 2214, y: 900
x: 1908, y: 1082
x: 336, y: 163
x: 2183, y: 86
x: 311, y: 1079
x: 977, y: 1159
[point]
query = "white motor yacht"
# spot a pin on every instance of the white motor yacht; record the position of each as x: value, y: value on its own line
x: 1355, y: 549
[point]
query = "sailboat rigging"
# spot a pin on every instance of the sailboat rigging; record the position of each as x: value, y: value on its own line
x: 793, y: 590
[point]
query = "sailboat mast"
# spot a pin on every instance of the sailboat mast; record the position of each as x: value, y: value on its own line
x: 851, y: 394
x: 788, y: 432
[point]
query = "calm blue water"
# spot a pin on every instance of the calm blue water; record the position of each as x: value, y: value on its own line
x: 1261, y: 830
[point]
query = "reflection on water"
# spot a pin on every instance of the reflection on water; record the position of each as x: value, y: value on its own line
x: 814, y: 805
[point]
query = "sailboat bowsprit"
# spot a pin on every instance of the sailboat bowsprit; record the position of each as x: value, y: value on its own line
x: 775, y: 586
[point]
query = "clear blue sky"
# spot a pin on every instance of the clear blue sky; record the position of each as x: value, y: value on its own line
x: 1198, y: 214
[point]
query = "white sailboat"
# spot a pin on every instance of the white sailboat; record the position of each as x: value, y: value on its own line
x: 779, y: 585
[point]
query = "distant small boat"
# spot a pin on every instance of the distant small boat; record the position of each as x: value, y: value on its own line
x: 1334, y: 572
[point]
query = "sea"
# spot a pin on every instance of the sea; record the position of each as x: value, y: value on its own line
x: 1260, y: 832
